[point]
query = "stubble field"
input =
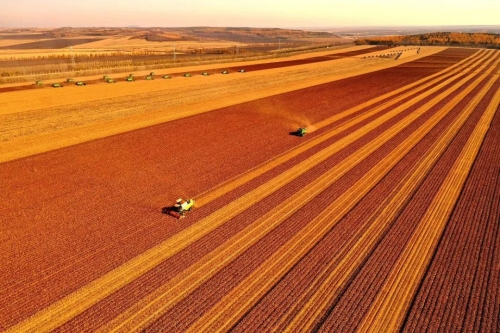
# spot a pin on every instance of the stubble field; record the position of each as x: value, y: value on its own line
x: 383, y: 218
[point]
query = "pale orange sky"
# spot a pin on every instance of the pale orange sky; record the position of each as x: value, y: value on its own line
x: 255, y: 13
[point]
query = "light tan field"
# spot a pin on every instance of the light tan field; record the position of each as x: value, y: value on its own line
x: 35, y: 121
x: 125, y: 43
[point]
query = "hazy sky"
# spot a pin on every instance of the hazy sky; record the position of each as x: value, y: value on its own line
x: 246, y: 13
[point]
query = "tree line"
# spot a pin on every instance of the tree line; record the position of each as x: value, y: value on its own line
x: 436, y: 38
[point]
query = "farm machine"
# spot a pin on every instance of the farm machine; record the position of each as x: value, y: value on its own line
x: 80, y: 83
x: 300, y: 132
x: 205, y: 74
x: 179, y: 209
x: 225, y: 72
x: 70, y: 80
x: 57, y: 85
x: 39, y: 83
x: 166, y: 77
x: 187, y: 75
x: 242, y: 70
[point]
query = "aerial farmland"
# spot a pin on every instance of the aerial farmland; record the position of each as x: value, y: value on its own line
x: 382, y: 217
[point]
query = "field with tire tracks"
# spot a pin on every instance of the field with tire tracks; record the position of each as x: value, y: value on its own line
x: 383, y: 218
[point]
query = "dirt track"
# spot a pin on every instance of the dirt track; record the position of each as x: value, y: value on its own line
x: 84, y: 210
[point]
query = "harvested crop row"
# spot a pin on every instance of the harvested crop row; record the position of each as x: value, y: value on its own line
x: 172, y: 262
x: 100, y: 212
x: 190, y: 285
x: 454, y: 292
x: 347, y: 254
x: 213, y: 312
x: 391, y: 305
x: 54, y: 205
x: 373, y: 273
x: 242, y: 202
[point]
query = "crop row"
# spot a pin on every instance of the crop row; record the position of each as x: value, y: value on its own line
x: 367, y: 207
x: 365, y: 287
x: 103, y: 206
x: 455, y: 292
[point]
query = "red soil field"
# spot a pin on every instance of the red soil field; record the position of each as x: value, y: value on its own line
x: 75, y: 213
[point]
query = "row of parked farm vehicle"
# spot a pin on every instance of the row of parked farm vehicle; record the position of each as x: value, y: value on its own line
x: 129, y: 78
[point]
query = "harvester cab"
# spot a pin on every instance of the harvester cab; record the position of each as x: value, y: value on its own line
x: 301, y: 131
x: 70, y: 80
x: 179, y: 209
x: 152, y: 74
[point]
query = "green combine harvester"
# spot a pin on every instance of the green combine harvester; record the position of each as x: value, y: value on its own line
x: 57, y: 85
x: 80, y: 83
x: 166, y: 77
x: 149, y: 78
x: 70, y: 80
x: 129, y: 79
x: 110, y: 81
x: 39, y: 83
x: 205, y: 74
x: 187, y: 75
x: 302, y: 131
x: 225, y: 72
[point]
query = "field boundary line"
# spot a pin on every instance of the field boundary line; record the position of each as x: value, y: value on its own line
x: 393, y: 300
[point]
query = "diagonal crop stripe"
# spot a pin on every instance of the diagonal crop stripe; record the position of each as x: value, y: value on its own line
x: 82, y: 299
x: 391, y: 305
x: 227, y: 312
